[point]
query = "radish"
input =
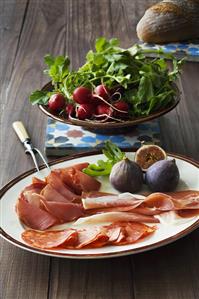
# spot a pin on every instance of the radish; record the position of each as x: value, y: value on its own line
x: 85, y: 111
x: 56, y: 102
x: 82, y: 95
x: 70, y: 109
x: 123, y: 108
x: 102, y: 91
x: 103, y: 109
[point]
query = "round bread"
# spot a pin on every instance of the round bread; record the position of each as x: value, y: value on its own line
x: 170, y: 21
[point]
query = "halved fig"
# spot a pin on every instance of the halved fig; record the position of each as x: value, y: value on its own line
x: 147, y: 155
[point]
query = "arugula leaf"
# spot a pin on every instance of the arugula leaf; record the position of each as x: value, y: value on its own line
x: 49, y: 60
x: 39, y: 97
x: 58, y: 67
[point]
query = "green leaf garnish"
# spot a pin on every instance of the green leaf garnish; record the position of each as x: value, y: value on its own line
x: 39, y: 97
x: 103, y: 168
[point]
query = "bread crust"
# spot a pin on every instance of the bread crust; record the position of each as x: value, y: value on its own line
x: 170, y: 21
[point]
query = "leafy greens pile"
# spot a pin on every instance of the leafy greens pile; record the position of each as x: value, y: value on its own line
x: 146, y: 82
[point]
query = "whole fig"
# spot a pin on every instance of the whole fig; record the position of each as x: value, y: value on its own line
x: 126, y: 176
x: 162, y: 176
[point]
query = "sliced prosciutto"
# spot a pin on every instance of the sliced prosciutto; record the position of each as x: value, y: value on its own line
x: 178, y: 200
x: 79, y: 166
x: 33, y: 188
x: 50, y: 239
x: 33, y: 216
x: 159, y: 201
x: 155, y: 203
x: 64, y: 211
x: 78, y: 181
x: 56, y: 183
x: 188, y: 199
x: 115, y: 217
x: 101, y: 200
x: 51, y: 194
x: 36, y: 180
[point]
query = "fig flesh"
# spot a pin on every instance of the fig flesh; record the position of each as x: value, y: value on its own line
x: 162, y: 176
x: 147, y: 155
x: 126, y: 176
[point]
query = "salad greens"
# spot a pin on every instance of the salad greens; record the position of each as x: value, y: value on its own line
x: 102, y: 168
x: 146, y: 82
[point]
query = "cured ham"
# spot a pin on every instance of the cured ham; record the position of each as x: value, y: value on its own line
x: 111, y: 200
x: 63, y: 211
x: 153, y: 204
x: 118, y: 233
x: 114, y: 217
x: 79, y: 166
x: 33, y: 216
x: 159, y: 201
x: 51, y: 194
x: 79, y: 181
x: 179, y: 200
x: 56, y: 183
x: 36, y: 180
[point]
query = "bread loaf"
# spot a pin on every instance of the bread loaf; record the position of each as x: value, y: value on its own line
x: 170, y: 21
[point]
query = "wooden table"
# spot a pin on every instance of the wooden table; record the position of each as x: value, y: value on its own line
x: 30, y: 29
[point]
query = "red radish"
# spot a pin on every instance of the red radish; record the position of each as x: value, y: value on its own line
x: 82, y: 95
x: 85, y: 111
x: 123, y: 107
x: 56, y: 102
x: 103, y: 109
x: 70, y: 109
x: 102, y: 91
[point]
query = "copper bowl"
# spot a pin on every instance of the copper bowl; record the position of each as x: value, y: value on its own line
x: 110, y: 126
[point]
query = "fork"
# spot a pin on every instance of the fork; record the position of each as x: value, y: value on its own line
x: 22, y: 134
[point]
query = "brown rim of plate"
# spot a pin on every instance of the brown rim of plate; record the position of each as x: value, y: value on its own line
x: 109, y: 125
x: 95, y: 255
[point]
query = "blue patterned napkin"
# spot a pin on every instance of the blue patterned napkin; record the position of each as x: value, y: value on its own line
x: 190, y: 50
x: 63, y: 139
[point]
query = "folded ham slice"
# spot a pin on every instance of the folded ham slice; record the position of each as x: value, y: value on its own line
x: 111, y: 200
x: 36, y: 180
x: 56, y: 183
x: 78, y: 181
x: 79, y: 166
x: 63, y: 211
x: 179, y: 200
x: 159, y: 201
x: 51, y: 194
x: 155, y: 203
x: 33, y: 216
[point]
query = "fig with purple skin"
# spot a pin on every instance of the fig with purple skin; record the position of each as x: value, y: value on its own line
x: 162, y: 176
x: 126, y: 176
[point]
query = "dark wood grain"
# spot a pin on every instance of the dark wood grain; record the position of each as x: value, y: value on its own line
x: 29, y: 30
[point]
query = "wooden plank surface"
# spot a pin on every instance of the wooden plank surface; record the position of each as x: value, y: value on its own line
x: 29, y: 30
